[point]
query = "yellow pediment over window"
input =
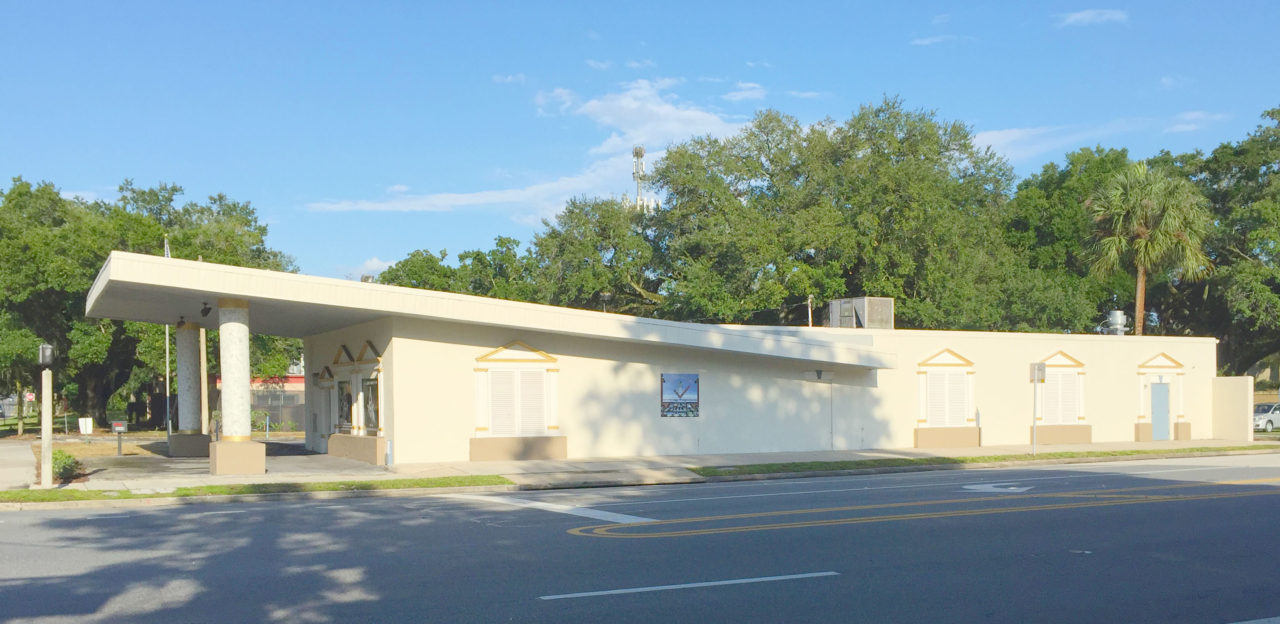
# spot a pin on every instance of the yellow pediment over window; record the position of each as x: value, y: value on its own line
x: 516, y: 352
x: 325, y: 374
x: 343, y: 356
x: 946, y: 357
x: 368, y: 353
x: 1161, y: 360
x: 1062, y: 360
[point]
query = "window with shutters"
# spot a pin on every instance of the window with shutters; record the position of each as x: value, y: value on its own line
x: 946, y: 391
x: 1062, y: 394
x: 947, y: 398
x: 1061, y: 398
x: 517, y: 402
x: 516, y: 392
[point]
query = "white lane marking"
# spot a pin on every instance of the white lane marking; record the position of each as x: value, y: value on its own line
x: 1270, y: 620
x: 217, y: 513
x: 595, y: 514
x: 637, y: 590
x: 109, y: 517
x: 893, y: 487
x: 996, y: 488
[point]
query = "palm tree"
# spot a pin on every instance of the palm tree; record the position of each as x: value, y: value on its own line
x: 1150, y: 222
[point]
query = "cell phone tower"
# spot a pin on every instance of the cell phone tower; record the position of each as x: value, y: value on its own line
x: 637, y: 172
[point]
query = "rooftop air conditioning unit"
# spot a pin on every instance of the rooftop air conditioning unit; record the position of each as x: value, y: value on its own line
x: 868, y: 312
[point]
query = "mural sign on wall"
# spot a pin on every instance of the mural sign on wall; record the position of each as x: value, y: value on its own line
x: 680, y: 394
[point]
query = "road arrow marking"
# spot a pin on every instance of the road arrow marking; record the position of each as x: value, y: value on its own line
x: 996, y: 488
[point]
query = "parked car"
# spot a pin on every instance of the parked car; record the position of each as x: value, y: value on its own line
x: 1266, y: 416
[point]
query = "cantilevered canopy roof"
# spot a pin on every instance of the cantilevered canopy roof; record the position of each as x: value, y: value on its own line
x: 154, y: 289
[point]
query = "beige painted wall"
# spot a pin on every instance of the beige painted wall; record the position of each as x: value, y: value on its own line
x: 1114, y: 393
x: 1233, y: 408
x: 608, y: 392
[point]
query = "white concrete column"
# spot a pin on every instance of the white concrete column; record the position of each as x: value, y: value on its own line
x: 187, y: 337
x: 233, y: 350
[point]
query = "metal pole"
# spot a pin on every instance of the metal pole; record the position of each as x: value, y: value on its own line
x: 810, y: 310
x: 1035, y: 416
x: 168, y: 424
x: 168, y: 421
x: 46, y: 428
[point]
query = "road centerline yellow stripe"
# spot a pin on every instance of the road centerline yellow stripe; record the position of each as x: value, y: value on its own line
x: 1098, y: 498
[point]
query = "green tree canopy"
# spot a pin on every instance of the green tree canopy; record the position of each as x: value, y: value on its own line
x: 1149, y: 222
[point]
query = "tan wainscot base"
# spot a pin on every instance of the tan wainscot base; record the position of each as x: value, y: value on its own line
x: 948, y: 437
x: 188, y: 445
x: 1062, y: 434
x: 1182, y: 431
x: 236, y: 458
x: 498, y: 449
x: 1142, y: 431
x: 368, y: 449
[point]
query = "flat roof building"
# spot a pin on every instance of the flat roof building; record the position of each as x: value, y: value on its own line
x: 399, y: 375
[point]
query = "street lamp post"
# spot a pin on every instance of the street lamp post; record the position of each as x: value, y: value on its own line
x: 46, y: 416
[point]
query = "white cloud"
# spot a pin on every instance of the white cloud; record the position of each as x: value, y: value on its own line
x: 1092, y: 16
x: 641, y: 64
x: 397, y: 188
x: 759, y: 64
x: 1201, y: 116
x: 941, y: 19
x: 373, y: 266
x: 745, y: 91
x: 88, y: 196
x: 509, y: 78
x: 808, y: 95
x: 559, y: 99
x: 1172, y: 82
x: 1023, y: 144
x: 601, y: 65
x: 1191, y: 121
x: 926, y: 41
x: 642, y: 113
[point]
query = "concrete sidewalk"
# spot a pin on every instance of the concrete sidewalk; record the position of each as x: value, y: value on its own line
x: 152, y: 474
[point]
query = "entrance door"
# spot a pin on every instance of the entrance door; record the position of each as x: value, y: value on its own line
x: 1159, y: 411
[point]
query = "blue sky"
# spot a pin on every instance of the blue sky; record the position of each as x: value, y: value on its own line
x: 363, y: 131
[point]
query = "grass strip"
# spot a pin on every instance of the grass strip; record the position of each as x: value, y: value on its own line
x: 55, y: 495
x: 897, y: 462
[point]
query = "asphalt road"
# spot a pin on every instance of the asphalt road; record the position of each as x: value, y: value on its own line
x: 1153, y: 541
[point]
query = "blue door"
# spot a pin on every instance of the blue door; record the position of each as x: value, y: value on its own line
x: 1159, y: 411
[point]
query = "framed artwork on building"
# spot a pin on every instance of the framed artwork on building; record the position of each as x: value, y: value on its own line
x: 679, y: 395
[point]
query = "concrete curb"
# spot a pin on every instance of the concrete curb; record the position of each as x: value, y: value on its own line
x: 171, y: 501
x: 176, y: 501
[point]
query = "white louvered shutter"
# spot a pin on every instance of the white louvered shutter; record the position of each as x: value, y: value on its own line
x: 935, y: 393
x: 502, y: 402
x: 532, y: 403
x: 957, y: 398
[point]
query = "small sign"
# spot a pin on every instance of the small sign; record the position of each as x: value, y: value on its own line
x: 1037, y: 372
x: 119, y: 426
x: 679, y: 395
x: 31, y: 397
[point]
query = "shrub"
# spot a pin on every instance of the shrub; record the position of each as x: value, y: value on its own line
x: 64, y: 465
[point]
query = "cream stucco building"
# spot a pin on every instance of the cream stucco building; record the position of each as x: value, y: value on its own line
x: 403, y: 376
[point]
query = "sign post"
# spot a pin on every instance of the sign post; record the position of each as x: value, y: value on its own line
x: 119, y: 427
x: 1037, y: 378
